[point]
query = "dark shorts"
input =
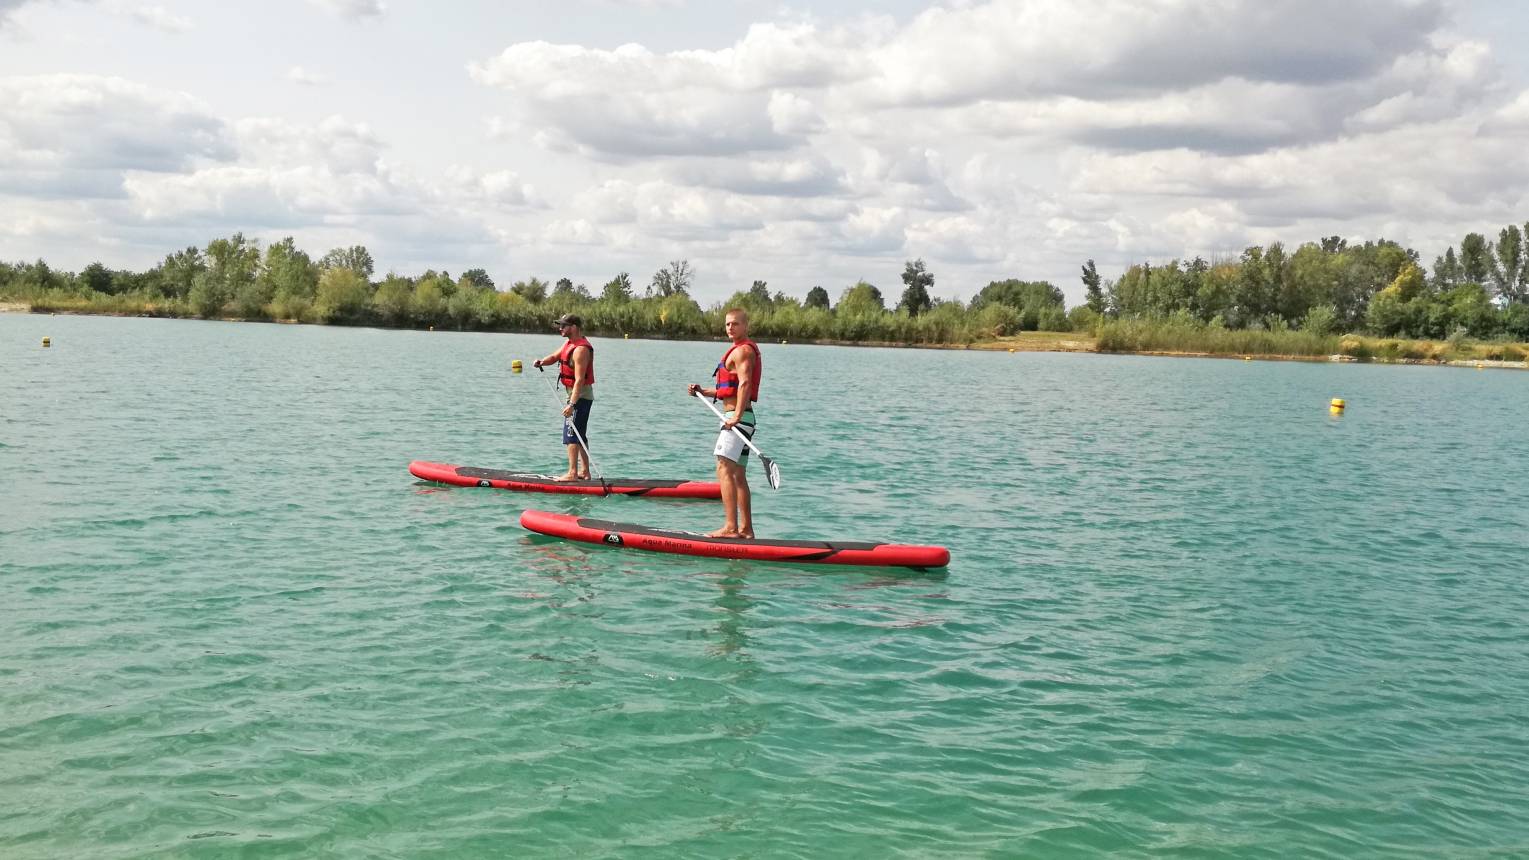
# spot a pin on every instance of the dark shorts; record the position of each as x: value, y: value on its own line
x: 580, y: 419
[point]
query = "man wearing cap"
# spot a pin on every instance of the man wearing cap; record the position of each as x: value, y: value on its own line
x: 576, y: 373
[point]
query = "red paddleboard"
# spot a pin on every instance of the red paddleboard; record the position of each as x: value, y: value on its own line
x: 689, y: 543
x: 469, y: 476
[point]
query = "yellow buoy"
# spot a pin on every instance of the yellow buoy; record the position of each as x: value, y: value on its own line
x: 627, y: 336
x: 1011, y: 350
x: 515, y: 366
x: 47, y: 341
x: 1336, y: 405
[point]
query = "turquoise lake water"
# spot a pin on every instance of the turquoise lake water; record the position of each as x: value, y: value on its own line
x: 1189, y: 613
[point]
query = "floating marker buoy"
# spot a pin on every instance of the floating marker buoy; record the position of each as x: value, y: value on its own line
x: 1011, y: 351
x: 627, y: 336
x: 782, y: 343
x: 432, y: 328
x: 1247, y: 358
x: 47, y: 341
x: 1336, y: 405
x: 1479, y: 365
x: 515, y: 366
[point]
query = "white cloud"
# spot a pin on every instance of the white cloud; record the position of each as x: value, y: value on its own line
x: 161, y: 18
x: 498, y: 188
x: 305, y: 78
x: 792, y: 115
x: 75, y: 135
x: 355, y: 10
x: 1110, y: 48
x: 957, y: 239
x: 804, y: 175
x: 631, y: 102
x: 7, y: 8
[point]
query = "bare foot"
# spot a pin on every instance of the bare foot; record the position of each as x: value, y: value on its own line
x: 566, y: 476
x: 723, y: 532
x: 749, y: 533
x: 583, y: 477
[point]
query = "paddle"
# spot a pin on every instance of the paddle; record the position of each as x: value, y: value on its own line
x: 772, y: 471
x: 568, y: 420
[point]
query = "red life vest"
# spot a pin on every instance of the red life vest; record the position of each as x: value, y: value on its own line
x: 565, y: 362
x: 727, y: 381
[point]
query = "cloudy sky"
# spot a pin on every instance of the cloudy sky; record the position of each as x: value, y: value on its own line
x: 800, y: 144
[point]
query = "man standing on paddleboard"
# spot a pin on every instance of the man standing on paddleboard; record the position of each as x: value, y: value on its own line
x: 738, y: 375
x: 576, y: 373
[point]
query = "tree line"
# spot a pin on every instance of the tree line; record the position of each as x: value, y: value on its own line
x: 1322, y: 288
x: 1331, y: 286
x: 235, y: 278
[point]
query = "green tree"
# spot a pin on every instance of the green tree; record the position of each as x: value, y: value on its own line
x: 97, y: 278
x: 1311, y: 280
x: 390, y: 304
x: 179, y: 270
x: 428, y: 304
x: 1020, y: 295
x: 568, y: 292
x: 817, y: 297
x: 674, y: 279
x: 1474, y: 258
x: 233, y: 264
x: 1322, y: 319
x: 861, y: 298
x: 1507, y: 266
x: 343, y: 294
x: 356, y: 258
x: 1093, y: 291
x: 288, y: 280
x: 1446, y: 271
x: 617, y: 290
x: 478, y: 278
x: 533, y: 291
x: 1469, y: 308
x: 207, y: 295
x: 1410, y: 283
x: 760, y: 292
x: 917, y: 281
x: 289, y: 271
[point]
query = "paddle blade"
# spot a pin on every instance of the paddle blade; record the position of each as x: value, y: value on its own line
x: 772, y: 472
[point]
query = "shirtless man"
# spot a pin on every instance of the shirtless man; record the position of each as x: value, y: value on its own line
x: 738, y: 375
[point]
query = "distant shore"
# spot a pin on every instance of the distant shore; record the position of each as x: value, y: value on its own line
x: 1372, y: 350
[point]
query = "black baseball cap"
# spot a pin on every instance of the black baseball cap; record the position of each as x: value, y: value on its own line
x: 569, y: 319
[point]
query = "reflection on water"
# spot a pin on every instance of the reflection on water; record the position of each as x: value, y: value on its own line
x: 733, y: 603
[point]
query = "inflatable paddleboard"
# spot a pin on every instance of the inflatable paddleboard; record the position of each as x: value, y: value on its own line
x: 469, y: 476
x: 689, y: 543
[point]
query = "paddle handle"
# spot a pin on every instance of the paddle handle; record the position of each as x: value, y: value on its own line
x: 701, y: 397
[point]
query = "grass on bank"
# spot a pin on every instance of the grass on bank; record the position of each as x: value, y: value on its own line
x: 1191, y: 337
